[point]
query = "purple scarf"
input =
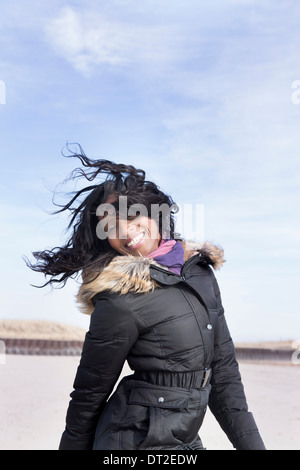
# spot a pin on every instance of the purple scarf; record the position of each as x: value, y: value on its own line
x: 169, y: 254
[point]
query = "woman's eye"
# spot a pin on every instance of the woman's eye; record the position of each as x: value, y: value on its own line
x: 133, y: 217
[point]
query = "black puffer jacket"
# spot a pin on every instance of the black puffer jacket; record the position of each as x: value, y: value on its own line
x: 173, y: 333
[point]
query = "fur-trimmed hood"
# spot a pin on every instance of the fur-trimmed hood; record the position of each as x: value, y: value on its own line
x: 132, y: 273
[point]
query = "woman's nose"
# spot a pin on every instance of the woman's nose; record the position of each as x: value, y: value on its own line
x: 131, y: 229
x: 126, y: 229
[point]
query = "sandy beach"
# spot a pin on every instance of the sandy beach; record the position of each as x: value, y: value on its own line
x: 35, y: 394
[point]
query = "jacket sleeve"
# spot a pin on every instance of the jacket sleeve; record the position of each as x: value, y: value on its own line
x: 227, y: 398
x: 110, y: 337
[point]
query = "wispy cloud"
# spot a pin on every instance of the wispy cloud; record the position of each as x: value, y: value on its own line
x: 88, y: 39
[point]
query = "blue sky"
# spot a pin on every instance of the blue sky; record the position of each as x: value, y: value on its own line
x: 199, y: 94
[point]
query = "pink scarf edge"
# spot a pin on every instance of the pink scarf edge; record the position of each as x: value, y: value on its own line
x: 164, y: 248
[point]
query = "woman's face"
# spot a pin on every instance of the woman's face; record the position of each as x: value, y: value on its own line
x: 139, y: 236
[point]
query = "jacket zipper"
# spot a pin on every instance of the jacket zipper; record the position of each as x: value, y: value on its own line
x: 199, y: 327
x: 183, y: 278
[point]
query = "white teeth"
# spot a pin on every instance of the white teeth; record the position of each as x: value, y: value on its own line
x: 135, y: 240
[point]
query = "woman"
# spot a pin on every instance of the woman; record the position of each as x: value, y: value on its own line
x: 154, y: 302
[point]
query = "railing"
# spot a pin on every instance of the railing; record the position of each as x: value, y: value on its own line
x: 49, y: 347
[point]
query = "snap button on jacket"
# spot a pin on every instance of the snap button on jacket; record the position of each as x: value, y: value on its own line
x: 172, y: 331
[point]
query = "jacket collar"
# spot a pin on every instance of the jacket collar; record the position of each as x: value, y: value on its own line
x: 140, y: 275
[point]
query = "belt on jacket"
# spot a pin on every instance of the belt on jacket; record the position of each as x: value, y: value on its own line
x: 195, y: 379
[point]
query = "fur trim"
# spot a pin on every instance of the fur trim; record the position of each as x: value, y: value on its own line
x: 208, y: 252
x: 123, y: 274
x: 132, y: 274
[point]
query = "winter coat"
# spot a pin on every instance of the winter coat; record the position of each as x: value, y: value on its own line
x: 172, y: 331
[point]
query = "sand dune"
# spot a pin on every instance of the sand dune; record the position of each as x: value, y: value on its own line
x: 40, y: 329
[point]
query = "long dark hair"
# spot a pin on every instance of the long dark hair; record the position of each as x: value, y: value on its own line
x: 85, y: 250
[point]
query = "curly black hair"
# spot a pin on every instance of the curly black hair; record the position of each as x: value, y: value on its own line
x: 85, y: 250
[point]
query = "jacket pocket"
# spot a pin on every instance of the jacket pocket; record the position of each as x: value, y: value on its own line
x: 165, y: 406
x: 161, y: 397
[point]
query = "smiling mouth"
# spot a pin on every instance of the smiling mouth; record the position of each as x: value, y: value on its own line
x: 136, y: 240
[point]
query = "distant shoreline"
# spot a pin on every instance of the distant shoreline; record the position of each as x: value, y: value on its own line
x: 48, y: 330
x: 44, y: 338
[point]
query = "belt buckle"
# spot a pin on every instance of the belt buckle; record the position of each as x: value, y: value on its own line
x: 206, y: 377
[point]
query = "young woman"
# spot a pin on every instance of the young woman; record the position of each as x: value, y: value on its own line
x: 154, y: 302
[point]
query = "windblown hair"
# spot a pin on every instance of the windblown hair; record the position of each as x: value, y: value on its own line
x: 84, y: 251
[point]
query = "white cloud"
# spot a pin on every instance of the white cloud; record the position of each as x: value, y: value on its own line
x: 88, y: 39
